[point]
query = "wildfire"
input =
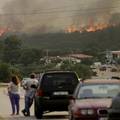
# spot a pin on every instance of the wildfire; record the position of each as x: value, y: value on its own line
x: 3, y: 30
x: 71, y: 29
x: 89, y: 28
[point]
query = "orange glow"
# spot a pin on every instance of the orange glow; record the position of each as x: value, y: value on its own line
x: 3, y: 30
x: 71, y: 29
x: 89, y: 28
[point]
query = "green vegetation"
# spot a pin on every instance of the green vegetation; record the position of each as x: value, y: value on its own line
x: 93, y: 42
x: 22, y: 54
x: 82, y: 70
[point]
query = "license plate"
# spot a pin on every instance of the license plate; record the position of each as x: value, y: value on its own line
x: 103, y: 118
x: 60, y: 93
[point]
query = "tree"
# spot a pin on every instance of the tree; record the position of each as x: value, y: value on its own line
x: 83, y: 70
x: 12, y: 49
x: 67, y: 65
x: 87, y: 61
x: 6, y: 70
x: 30, y: 56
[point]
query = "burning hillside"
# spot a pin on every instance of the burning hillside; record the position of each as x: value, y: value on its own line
x: 89, y: 28
x: 3, y: 30
x: 43, y: 16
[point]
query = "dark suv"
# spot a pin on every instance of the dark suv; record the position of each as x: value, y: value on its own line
x: 114, y: 111
x: 53, y: 91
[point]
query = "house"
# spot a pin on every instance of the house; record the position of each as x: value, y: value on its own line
x: 80, y: 56
x: 115, y: 54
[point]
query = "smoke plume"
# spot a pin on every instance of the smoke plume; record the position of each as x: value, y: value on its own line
x: 56, y: 15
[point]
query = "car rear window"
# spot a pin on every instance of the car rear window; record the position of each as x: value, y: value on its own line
x: 59, y: 79
x: 99, y: 91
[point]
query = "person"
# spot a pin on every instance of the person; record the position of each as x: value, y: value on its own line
x: 30, y: 86
x: 14, y: 94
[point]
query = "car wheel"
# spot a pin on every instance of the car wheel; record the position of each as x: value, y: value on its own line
x: 71, y: 117
x: 38, y: 111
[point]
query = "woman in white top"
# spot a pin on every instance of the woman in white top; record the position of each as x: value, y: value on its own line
x: 14, y: 94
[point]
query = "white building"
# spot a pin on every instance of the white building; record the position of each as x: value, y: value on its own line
x: 115, y: 54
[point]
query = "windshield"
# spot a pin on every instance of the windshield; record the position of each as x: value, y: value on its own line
x: 99, y: 91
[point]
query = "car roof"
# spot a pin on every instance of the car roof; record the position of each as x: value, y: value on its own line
x: 97, y: 81
x: 59, y: 71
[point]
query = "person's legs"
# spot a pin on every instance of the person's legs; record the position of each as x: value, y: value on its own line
x: 26, y: 110
x: 11, y: 96
x: 30, y: 102
x: 17, y: 99
x: 27, y: 100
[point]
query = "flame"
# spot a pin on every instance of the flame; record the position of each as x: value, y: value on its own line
x: 3, y: 30
x: 71, y: 29
x: 89, y: 28
x: 100, y: 26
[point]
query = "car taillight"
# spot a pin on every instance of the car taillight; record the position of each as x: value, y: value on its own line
x: 71, y: 99
x: 39, y: 92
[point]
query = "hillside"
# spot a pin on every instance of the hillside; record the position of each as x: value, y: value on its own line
x: 106, y: 39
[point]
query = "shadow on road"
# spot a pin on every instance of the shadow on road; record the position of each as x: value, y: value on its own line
x: 55, y: 117
x: 45, y: 117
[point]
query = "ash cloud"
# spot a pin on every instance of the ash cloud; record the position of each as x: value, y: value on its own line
x: 98, y: 11
x: 55, y: 15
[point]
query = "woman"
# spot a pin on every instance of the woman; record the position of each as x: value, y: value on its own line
x: 14, y: 94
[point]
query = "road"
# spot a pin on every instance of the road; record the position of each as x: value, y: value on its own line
x: 5, y: 110
x: 106, y: 74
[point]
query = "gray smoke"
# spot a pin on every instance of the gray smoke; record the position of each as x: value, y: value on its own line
x: 56, y: 15
x: 98, y: 11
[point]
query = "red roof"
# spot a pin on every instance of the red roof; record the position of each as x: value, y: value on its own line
x: 80, y: 56
x: 116, y: 52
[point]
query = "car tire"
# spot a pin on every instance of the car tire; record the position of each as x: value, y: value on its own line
x: 71, y: 117
x: 38, y: 111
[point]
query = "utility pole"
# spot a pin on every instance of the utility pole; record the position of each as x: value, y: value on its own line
x: 109, y: 57
x: 47, y: 54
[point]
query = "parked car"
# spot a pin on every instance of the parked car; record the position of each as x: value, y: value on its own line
x: 114, y: 70
x: 103, y: 68
x: 53, y: 91
x: 114, y: 111
x: 92, y: 99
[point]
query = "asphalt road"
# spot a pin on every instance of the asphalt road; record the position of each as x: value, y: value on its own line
x: 5, y: 110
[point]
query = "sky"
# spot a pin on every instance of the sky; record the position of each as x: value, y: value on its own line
x: 55, y: 15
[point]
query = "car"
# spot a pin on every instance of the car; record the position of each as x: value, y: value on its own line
x: 114, y: 111
x: 114, y: 70
x: 92, y: 99
x: 115, y: 77
x: 53, y: 91
x: 103, y: 68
